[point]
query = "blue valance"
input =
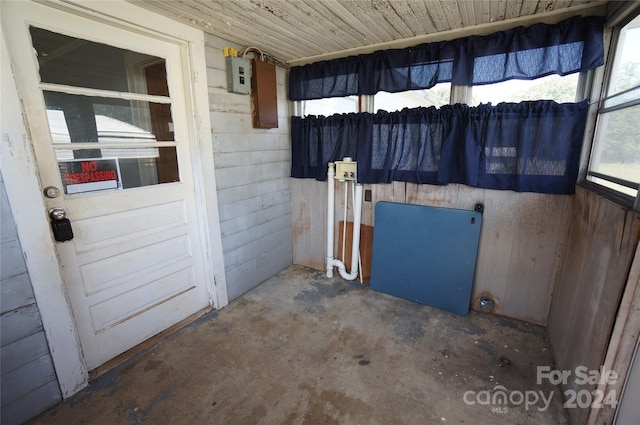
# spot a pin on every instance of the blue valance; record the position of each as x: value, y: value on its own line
x: 573, y: 45
x: 528, y: 146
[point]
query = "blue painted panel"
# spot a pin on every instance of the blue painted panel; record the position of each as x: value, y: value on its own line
x: 425, y: 254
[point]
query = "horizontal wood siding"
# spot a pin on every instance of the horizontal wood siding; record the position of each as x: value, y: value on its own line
x: 29, y: 384
x: 252, y: 176
x: 600, y: 245
x: 519, y: 243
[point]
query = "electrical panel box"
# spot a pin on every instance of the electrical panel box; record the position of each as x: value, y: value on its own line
x: 238, y: 77
x: 346, y: 170
x: 264, y: 99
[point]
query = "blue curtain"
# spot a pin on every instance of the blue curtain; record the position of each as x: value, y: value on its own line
x: 573, y: 45
x: 527, y: 146
x: 316, y: 141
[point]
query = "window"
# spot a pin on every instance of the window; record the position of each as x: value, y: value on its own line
x: 329, y: 106
x: 562, y: 89
x: 436, y: 96
x: 615, y: 156
x: 106, y: 105
x: 525, y: 146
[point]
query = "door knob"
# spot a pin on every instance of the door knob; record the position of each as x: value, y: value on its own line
x: 57, y: 214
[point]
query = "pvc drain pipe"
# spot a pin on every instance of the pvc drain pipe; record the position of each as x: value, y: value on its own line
x: 357, y: 220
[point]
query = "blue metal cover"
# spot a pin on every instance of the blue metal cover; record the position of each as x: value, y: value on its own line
x: 425, y: 254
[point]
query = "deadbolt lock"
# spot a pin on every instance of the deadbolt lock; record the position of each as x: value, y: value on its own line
x: 51, y: 192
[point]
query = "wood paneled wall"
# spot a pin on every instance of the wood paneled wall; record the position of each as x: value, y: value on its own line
x: 252, y: 176
x: 29, y: 384
x: 519, y: 245
x: 600, y: 244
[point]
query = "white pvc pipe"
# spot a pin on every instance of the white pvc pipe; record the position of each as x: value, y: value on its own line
x: 357, y: 220
x: 330, y: 217
x: 353, y: 202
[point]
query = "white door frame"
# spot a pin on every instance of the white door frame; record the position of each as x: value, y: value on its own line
x: 24, y: 190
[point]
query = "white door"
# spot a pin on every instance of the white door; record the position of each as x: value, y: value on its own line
x: 107, y: 115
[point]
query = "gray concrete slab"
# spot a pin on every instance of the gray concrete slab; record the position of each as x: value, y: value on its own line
x: 303, y: 349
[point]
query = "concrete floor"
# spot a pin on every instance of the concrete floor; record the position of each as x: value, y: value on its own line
x: 303, y: 349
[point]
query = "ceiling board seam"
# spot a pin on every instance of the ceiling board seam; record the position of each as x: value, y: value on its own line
x: 370, y: 21
x: 339, y: 10
x: 221, y: 28
x: 452, y: 13
x: 437, y: 15
x: 282, y: 38
x: 464, y: 13
x: 314, y: 15
x: 427, y: 23
x: 528, y: 8
x: 408, y: 22
x: 274, y: 21
x: 513, y: 9
x: 392, y: 18
x: 486, y: 11
x: 268, y: 21
x: 499, y: 10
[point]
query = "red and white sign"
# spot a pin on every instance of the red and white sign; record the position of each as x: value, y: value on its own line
x: 89, y: 175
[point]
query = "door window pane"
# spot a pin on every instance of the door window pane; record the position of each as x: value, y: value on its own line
x: 117, y: 129
x: 90, y: 119
x: 81, y: 63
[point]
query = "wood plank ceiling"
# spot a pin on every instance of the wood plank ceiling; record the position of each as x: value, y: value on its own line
x: 300, y: 31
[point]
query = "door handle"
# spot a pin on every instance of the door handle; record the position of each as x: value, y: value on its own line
x: 57, y: 213
x: 60, y: 225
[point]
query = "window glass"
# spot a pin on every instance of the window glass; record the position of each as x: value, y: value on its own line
x: 617, y: 151
x: 561, y: 89
x: 625, y: 72
x: 615, y: 156
x: 89, y: 119
x: 437, y: 95
x: 620, y: 99
x: 330, y: 106
x: 81, y: 63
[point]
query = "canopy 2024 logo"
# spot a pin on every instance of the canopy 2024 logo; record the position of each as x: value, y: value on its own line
x: 500, y: 399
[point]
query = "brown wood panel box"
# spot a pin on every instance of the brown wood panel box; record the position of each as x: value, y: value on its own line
x: 264, y: 99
